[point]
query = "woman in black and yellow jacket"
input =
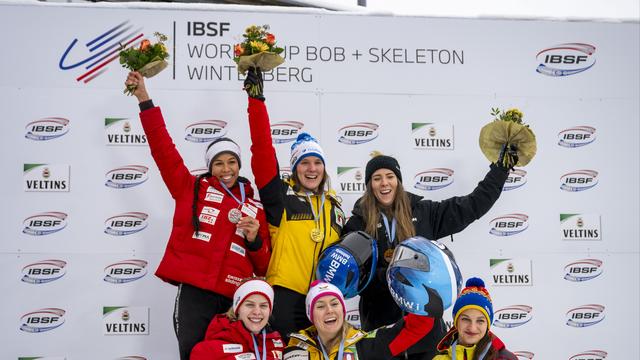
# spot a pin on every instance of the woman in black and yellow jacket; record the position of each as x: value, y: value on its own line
x: 303, y: 213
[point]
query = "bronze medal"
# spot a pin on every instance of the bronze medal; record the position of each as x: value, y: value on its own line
x: 388, y: 255
x: 316, y: 235
x: 234, y: 215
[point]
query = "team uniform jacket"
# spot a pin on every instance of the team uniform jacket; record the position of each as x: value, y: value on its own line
x: 432, y: 220
x: 217, y: 259
x: 230, y: 340
x: 289, y: 213
x: 466, y: 353
x: 384, y: 343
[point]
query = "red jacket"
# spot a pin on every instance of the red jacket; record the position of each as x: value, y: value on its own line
x: 219, y: 259
x: 230, y: 340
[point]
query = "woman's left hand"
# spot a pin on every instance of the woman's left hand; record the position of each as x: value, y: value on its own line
x: 249, y: 227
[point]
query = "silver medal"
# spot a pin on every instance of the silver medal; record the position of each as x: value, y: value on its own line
x: 234, y: 215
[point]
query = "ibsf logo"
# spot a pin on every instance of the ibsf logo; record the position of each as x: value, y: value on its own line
x: 524, y: 355
x: 46, y: 128
x: 513, y: 316
x: 43, y: 358
x: 585, y: 315
x: 433, y: 179
x: 205, y: 131
x: 126, y: 176
x: 285, y: 172
x: 577, y: 136
x: 583, y: 270
x: 126, y: 223
x: 358, y: 133
x: 509, y: 224
x: 590, y: 355
x: 125, y: 271
x: 579, y: 180
x: 285, y: 131
x: 516, y: 178
x: 43, y: 271
x: 566, y: 59
x: 132, y: 358
x: 99, y: 51
x: 353, y: 317
x: 44, y: 223
x: 42, y: 320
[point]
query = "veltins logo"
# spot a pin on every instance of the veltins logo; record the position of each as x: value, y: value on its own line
x: 358, y: 133
x: 46, y: 128
x: 579, y: 180
x: 44, y: 223
x: 512, y: 316
x: 577, y: 136
x: 516, y: 178
x: 46, y: 177
x: 583, y: 270
x: 99, y: 51
x: 125, y: 320
x: 126, y: 223
x: 510, y: 272
x: 590, y: 355
x: 433, y: 179
x: 124, y: 132
x: 285, y: 131
x: 509, y: 224
x: 125, y: 271
x: 351, y: 180
x: 44, y: 271
x: 585, y: 315
x: 580, y: 227
x: 524, y: 355
x: 126, y: 176
x: 432, y: 136
x: 42, y: 320
x: 205, y: 131
x: 566, y: 59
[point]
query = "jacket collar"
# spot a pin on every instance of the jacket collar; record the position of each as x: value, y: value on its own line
x: 450, y: 336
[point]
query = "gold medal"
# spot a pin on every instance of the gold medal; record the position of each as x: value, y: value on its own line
x: 388, y: 255
x: 316, y: 235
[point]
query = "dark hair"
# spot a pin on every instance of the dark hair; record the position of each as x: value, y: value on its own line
x: 483, y: 343
x: 194, y: 207
x: 400, y: 210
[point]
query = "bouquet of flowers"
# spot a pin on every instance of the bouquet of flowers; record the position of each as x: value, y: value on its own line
x: 508, y: 129
x: 148, y: 59
x: 258, y: 50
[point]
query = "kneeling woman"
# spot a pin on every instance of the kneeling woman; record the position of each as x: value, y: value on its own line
x: 470, y: 337
x: 243, y: 332
x: 331, y: 337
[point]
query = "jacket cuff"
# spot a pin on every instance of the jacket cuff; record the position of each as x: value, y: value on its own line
x: 255, y: 245
x: 146, y: 105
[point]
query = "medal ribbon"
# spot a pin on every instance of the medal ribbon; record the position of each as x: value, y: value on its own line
x: 324, y: 352
x: 242, y: 194
x: 453, y: 350
x: 392, y: 234
x: 264, y: 345
x: 316, y: 216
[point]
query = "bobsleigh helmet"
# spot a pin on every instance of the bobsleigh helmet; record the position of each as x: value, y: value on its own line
x: 418, y: 264
x: 349, y: 264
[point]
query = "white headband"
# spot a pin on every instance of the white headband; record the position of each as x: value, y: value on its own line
x: 221, y: 146
x: 249, y: 288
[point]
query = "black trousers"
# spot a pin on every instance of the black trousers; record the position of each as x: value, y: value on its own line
x: 289, y: 315
x: 193, y: 311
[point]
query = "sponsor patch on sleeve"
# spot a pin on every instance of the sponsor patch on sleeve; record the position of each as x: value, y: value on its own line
x: 231, y: 348
x: 237, y: 249
x: 296, y: 354
x: 202, y: 236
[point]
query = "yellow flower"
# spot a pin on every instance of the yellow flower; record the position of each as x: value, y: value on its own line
x: 259, y: 46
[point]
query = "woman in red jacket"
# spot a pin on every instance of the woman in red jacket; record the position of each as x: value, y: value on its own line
x: 243, y: 331
x: 219, y: 235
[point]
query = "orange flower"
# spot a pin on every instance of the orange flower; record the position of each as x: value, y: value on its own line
x: 271, y: 39
x: 145, y: 44
x: 238, y: 50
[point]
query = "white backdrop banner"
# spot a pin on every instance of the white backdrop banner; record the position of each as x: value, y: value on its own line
x: 87, y: 216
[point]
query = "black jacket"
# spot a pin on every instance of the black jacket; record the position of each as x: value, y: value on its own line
x: 432, y: 220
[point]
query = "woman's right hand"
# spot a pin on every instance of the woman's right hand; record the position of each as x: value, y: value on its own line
x: 136, y: 79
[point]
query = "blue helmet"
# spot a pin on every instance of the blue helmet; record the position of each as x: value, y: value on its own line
x: 419, y: 264
x: 349, y: 264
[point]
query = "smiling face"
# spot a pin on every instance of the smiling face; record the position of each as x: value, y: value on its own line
x: 225, y: 168
x: 254, y: 312
x: 472, y: 326
x: 310, y: 172
x: 384, y: 184
x: 328, y: 316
